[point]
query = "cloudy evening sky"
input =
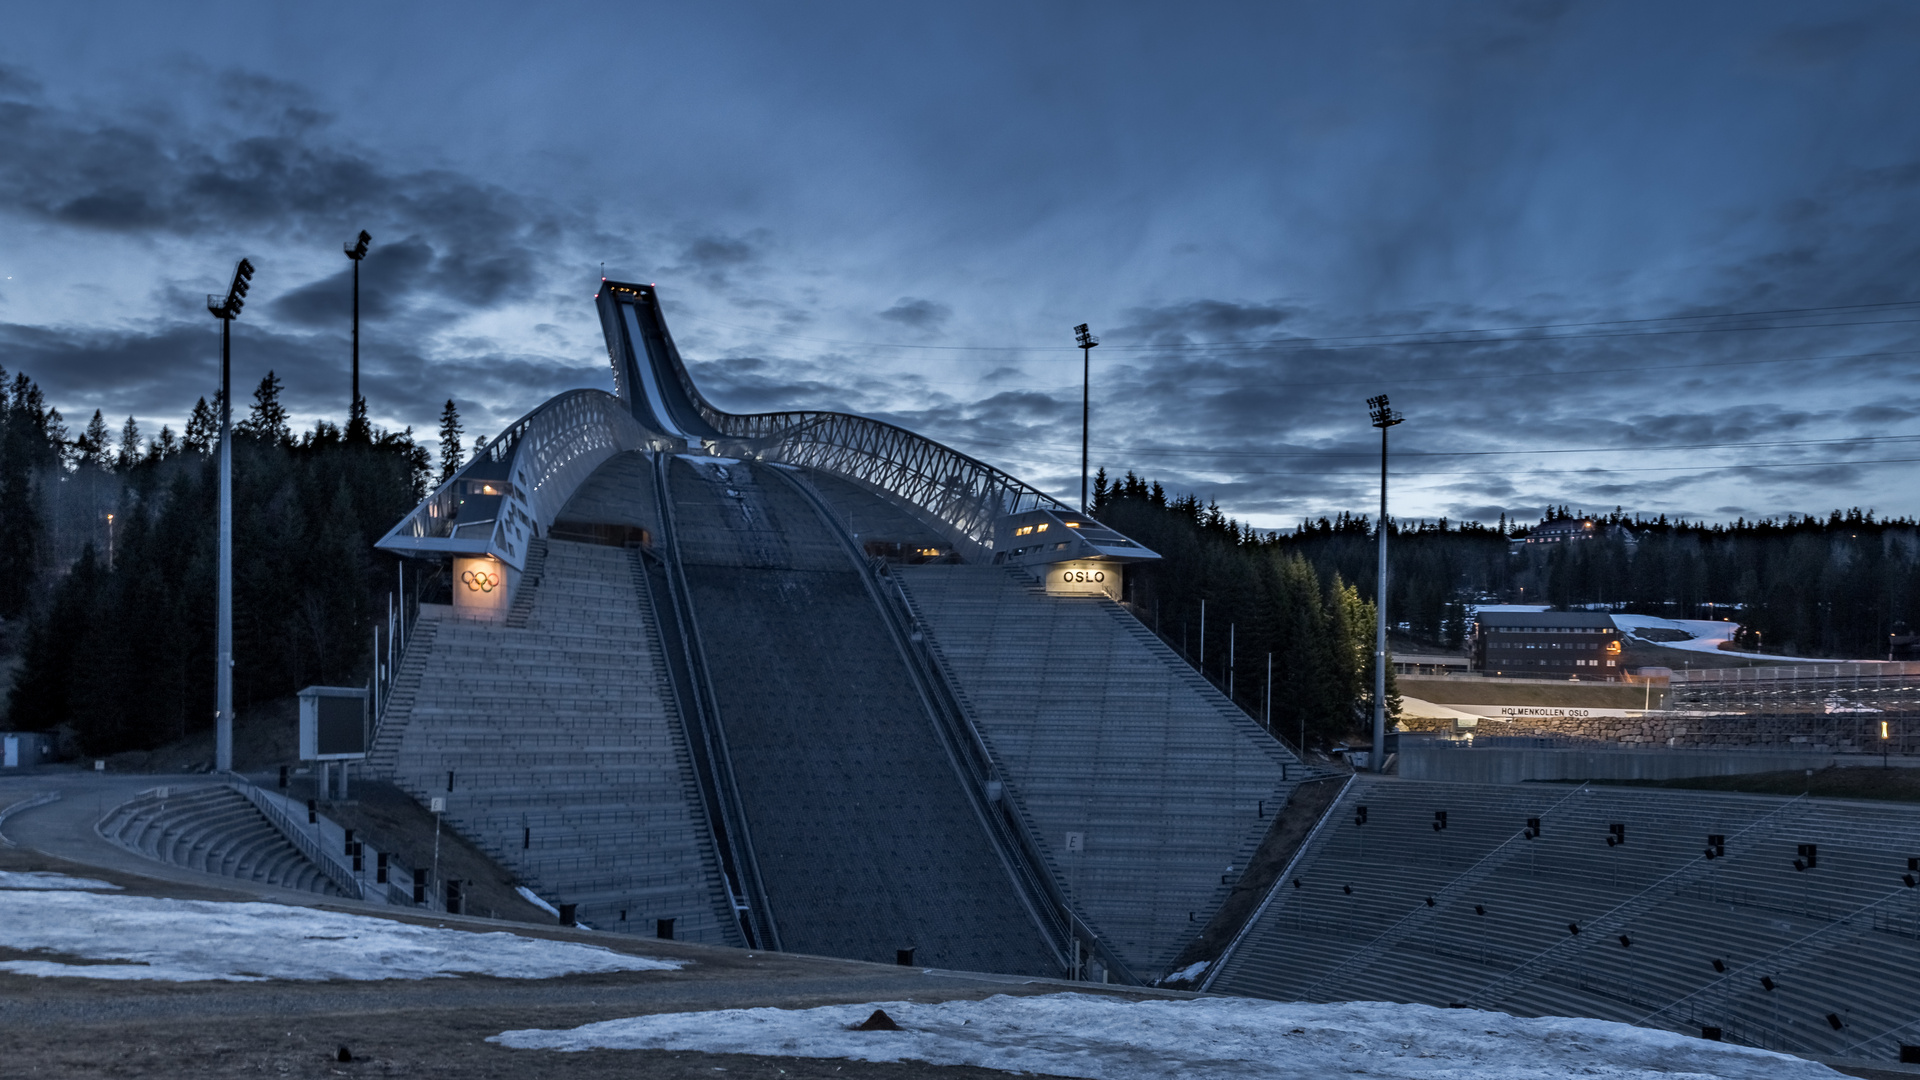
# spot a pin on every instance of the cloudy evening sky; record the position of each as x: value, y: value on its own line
x: 1685, y: 238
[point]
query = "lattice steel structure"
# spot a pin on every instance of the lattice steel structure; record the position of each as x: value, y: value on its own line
x: 512, y: 489
x: 959, y: 495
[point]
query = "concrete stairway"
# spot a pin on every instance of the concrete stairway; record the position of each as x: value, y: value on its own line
x: 529, y: 586
x: 214, y: 830
x: 406, y: 689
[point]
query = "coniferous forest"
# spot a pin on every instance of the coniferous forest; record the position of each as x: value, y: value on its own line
x: 109, y: 549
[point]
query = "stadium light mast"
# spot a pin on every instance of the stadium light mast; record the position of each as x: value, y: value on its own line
x: 1084, y: 337
x: 1383, y: 418
x: 226, y: 310
x: 356, y: 251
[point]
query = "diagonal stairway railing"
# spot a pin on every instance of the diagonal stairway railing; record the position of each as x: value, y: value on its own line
x: 706, y: 735
x: 1364, y: 957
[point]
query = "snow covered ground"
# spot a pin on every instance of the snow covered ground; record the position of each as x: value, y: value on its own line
x: 190, y: 940
x: 46, y: 879
x: 1110, y: 1038
x: 1707, y: 636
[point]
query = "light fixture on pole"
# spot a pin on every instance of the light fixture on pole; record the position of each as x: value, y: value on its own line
x: 1383, y: 418
x: 1084, y: 337
x: 226, y: 310
x: 356, y: 251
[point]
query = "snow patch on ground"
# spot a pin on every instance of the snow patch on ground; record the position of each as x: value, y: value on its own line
x: 46, y: 879
x: 1189, y: 973
x: 533, y: 898
x: 1108, y: 1038
x: 190, y: 940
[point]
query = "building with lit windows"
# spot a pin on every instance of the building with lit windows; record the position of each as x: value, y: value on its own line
x: 1558, y: 644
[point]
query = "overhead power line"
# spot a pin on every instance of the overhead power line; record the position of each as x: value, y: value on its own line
x: 1172, y: 452
x: 1463, y: 336
x: 1589, y: 470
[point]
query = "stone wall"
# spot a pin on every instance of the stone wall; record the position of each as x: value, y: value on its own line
x: 1812, y: 732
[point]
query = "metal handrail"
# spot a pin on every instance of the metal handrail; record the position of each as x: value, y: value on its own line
x: 1360, y: 958
x: 303, y: 840
x: 537, y: 462
x: 1219, y: 964
x: 1498, y: 989
x: 707, y: 720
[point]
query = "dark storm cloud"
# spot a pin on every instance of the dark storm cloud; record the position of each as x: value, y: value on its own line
x: 280, y: 176
x: 389, y: 275
x: 1202, y: 320
x: 917, y: 313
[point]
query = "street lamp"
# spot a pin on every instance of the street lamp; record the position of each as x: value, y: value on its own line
x: 1383, y: 418
x: 356, y: 251
x: 1084, y: 337
x: 226, y: 310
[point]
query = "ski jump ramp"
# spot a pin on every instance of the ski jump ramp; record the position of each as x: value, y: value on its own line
x: 810, y: 681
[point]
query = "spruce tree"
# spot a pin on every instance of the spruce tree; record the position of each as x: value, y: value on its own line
x: 203, y: 427
x: 129, y: 454
x: 359, y: 432
x: 96, y: 443
x: 267, y: 421
x: 450, y: 451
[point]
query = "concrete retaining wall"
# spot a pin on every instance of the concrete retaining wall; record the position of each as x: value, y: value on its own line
x: 1441, y: 761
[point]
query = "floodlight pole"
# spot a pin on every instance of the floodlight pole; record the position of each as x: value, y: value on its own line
x: 1383, y: 418
x: 223, y: 661
x: 1085, y: 339
x: 226, y: 310
x: 356, y: 251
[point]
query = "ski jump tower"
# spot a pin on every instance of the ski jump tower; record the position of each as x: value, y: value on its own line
x: 810, y: 681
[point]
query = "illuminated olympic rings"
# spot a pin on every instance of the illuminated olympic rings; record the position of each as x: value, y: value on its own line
x: 484, y: 581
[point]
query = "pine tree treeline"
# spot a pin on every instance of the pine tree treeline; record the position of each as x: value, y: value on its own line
x: 120, y: 645
x: 1260, y: 598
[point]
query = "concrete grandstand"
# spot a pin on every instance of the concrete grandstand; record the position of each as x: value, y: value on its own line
x: 811, y: 682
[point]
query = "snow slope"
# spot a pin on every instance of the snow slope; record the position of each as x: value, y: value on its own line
x: 1707, y: 636
x: 1109, y: 1038
x: 190, y: 940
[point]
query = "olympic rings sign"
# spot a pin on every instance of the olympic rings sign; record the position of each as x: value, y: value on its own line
x: 480, y: 581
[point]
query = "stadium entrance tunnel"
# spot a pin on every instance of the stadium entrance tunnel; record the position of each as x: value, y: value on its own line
x: 809, y: 681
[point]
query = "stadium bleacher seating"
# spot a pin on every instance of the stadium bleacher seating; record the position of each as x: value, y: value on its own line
x: 215, y: 830
x: 1839, y: 938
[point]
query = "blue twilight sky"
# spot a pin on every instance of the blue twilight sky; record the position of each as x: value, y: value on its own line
x: 1703, y: 215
